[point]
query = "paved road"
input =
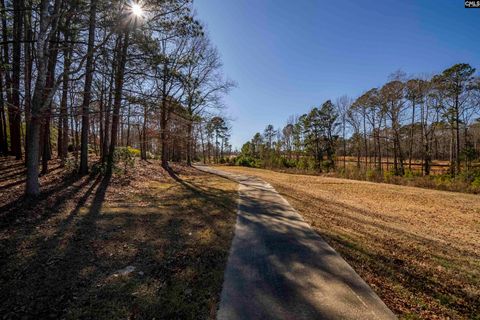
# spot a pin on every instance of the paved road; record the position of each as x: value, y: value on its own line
x: 279, y: 268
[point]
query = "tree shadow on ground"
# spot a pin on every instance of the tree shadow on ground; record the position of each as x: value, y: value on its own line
x: 65, y: 263
x: 399, y: 263
x: 281, y: 269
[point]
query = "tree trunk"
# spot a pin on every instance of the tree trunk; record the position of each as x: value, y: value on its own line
x: 106, y: 138
x: 101, y: 120
x: 163, y: 122
x: 14, y: 111
x: 365, y: 139
x: 189, y: 143
x: 33, y: 136
x: 410, y: 148
x: 46, y: 152
x: 32, y: 187
x: 203, y: 144
x: 87, y: 92
x: 128, y: 125
x: 118, y: 98
x: 3, y: 124
x: 344, y: 146
x: 457, y: 136
x: 144, y: 134
x: 63, y: 119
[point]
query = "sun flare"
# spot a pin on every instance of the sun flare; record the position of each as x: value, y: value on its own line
x: 137, y: 9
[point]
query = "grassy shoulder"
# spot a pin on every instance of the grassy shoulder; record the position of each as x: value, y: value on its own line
x: 142, y: 245
x: 417, y: 248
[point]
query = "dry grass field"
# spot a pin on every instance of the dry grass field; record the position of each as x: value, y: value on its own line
x: 418, y: 249
x: 137, y: 246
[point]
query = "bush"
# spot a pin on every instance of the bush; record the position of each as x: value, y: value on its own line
x: 327, y: 165
x: 302, y: 163
x: 70, y: 165
x: 388, y: 175
x: 371, y: 175
x: 288, y: 163
x: 408, y: 174
x: 150, y: 155
x: 245, y: 161
x: 476, y: 182
x: 126, y: 156
x: 135, y: 152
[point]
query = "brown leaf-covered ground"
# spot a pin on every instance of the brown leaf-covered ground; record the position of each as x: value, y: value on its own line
x: 419, y: 249
x: 60, y: 254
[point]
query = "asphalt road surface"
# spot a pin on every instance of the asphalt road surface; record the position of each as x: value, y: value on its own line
x: 279, y: 268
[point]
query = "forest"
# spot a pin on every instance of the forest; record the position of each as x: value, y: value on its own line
x: 409, y: 127
x: 97, y: 82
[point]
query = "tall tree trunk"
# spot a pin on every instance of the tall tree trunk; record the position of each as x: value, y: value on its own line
x: 410, y: 148
x: 46, y: 152
x: 128, y: 126
x: 38, y: 100
x: 74, y: 133
x: 87, y: 91
x: 63, y: 119
x: 452, y: 151
x: 118, y: 98
x: 163, y: 120
x: 101, y: 120
x: 52, y: 61
x: 344, y: 145
x: 457, y: 137
x: 365, y: 139
x: 203, y: 144
x: 14, y: 110
x: 189, y: 143
x: 144, y: 134
x: 427, y: 158
x: 3, y: 124
x: 106, y: 138
x: 27, y: 76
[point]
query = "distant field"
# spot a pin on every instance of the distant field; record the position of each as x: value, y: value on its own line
x: 417, y: 248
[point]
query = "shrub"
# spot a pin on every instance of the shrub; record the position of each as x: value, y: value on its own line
x: 476, y: 184
x: 289, y: 163
x: 245, y: 161
x: 126, y: 156
x: 70, y: 165
x: 302, y: 163
x: 313, y: 165
x: 388, y: 175
x: 409, y: 174
x: 150, y: 155
x: 135, y: 152
x: 326, y: 165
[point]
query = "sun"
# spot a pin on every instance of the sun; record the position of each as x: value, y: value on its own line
x: 137, y: 9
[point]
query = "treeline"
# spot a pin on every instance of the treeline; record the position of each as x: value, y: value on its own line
x: 80, y: 78
x: 402, y: 127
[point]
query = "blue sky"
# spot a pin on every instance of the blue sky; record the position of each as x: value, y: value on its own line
x: 288, y: 56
